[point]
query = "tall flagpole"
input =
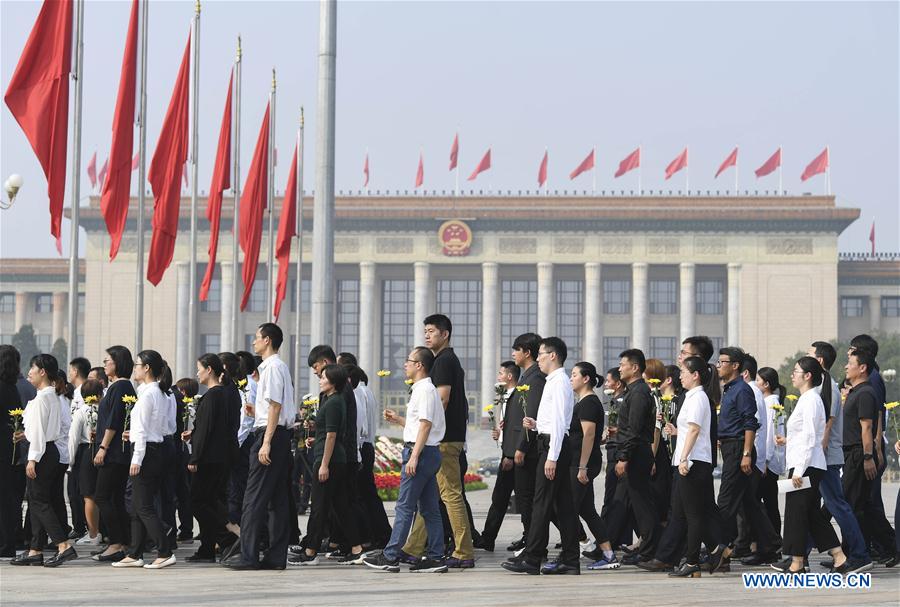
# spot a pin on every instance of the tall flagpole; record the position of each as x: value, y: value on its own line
x: 270, y: 204
x: 236, y: 189
x: 298, y: 287
x: 192, y: 273
x: 71, y: 351
x: 457, y: 161
x: 142, y: 180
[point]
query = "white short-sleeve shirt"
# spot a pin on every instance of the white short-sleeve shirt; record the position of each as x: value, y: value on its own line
x: 695, y: 410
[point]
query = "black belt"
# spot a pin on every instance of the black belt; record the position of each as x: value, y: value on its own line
x: 262, y: 429
x: 730, y: 439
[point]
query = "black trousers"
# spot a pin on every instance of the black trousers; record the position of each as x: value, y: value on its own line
x: 672, y: 539
x: 376, y: 517
x: 661, y: 481
x: 525, y: 484
x: 500, y: 496
x: 183, y: 490
x: 696, y: 509
x: 738, y: 489
x: 10, y: 508
x: 237, y: 481
x: 168, y: 498
x: 44, y: 519
x: 110, y: 498
x: 207, y: 504
x: 553, y: 497
x: 145, y: 519
x: 266, y: 498
x: 803, y: 518
x: 768, y: 493
x: 635, y: 485
x: 357, y: 512
x: 330, y: 500
x: 858, y: 492
x: 73, y: 488
x: 583, y: 498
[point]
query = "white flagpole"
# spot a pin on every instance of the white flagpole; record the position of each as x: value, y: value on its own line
x: 270, y: 205
x: 195, y: 103
x: 142, y: 177
x: 298, y: 287
x: 71, y: 351
x: 236, y: 190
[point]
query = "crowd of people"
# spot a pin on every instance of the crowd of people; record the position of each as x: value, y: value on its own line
x: 140, y: 457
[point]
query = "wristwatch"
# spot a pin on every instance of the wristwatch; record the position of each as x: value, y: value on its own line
x: 101, y: 447
x: 746, y: 454
x: 868, y: 456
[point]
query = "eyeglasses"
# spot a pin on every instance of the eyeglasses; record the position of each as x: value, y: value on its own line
x: 409, y: 360
x: 687, y: 352
x: 542, y: 353
x: 719, y: 363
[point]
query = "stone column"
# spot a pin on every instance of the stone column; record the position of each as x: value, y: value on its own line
x: 593, y: 323
x: 60, y: 301
x: 734, y: 304
x: 423, y: 306
x: 367, y: 323
x: 546, y: 300
x: 225, y: 329
x: 639, y: 307
x: 182, y: 356
x: 490, y: 330
x: 874, y: 312
x: 22, y: 301
x: 687, y: 305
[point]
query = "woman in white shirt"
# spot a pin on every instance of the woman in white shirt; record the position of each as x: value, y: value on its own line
x: 804, y: 458
x: 81, y: 447
x: 146, y: 433
x: 773, y: 394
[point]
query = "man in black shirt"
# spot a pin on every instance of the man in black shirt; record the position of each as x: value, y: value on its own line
x: 449, y: 378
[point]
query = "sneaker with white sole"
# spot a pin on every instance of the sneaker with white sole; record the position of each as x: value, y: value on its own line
x: 352, y: 559
x: 87, y: 540
x: 123, y: 563
x: 302, y: 559
x: 604, y: 564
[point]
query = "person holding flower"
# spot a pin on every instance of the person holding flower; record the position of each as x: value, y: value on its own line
x: 82, y: 447
x: 773, y: 395
x: 661, y: 472
x: 10, y: 509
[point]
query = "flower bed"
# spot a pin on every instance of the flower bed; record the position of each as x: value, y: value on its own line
x: 388, y: 484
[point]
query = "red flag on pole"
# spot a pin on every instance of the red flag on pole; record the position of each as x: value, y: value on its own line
x: 287, y: 229
x: 542, y: 171
x: 630, y: 162
x: 171, y: 152
x: 770, y: 165
x: 454, y: 152
x: 92, y: 171
x: 680, y: 162
x: 586, y: 165
x: 38, y: 97
x: 484, y: 165
x: 818, y: 165
x: 365, y: 172
x: 116, y: 191
x: 731, y: 161
x: 253, y: 202
x: 221, y: 180
x: 872, y: 237
x: 136, y: 161
x: 101, y: 176
x: 420, y: 172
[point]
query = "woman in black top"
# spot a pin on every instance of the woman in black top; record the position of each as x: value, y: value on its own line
x: 113, y: 456
x: 210, y: 441
x: 10, y: 510
x: 234, y: 402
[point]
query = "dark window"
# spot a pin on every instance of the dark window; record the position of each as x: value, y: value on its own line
x: 348, y: 316
x: 663, y: 348
x: 397, y: 331
x: 257, y: 301
x: 851, y: 307
x: 210, y: 343
x: 7, y: 302
x: 612, y: 347
x: 616, y: 296
x: 570, y: 316
x: 663, y: 297
x: 213, y: 301
x: 43, y: 303
x: 710, y: 296
x: 461, y: 301
x: 306, y: 287
x: 518, y: 311
x: 890, y: 306
x: 301, y: 387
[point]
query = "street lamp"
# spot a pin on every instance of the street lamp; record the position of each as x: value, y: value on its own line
x: 11, y: 185
x: 889, y: 374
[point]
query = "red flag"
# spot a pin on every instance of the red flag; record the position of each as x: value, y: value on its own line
x: 38, y: 97
x: 818, y: 165
x: 92, y: 171
x: 101, y: 176
x: 454, y: 152
x: 253, y: 201
x: 632, y: 161
x: 116, y: 191
x: 366, y: 173
x: 484, y: 165
x: 872, y: 237
x: 586, y: 165
x: 770, y: 165
x: 221, y: 180
x: 542, y: 171
x: 171, y: 153
x: 680, y: 162
x: 731, y: 161
x: 420, y: 173
x: 136, y: 161
x: 287, y: 229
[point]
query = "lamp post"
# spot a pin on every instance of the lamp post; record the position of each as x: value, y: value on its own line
x: 11, y: 186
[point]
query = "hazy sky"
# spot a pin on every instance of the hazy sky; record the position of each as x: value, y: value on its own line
x: 519, y: 77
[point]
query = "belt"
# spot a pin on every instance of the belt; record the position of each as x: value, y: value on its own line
x: 730, y: 439
x: 262, y: 429
x: 848, y: 448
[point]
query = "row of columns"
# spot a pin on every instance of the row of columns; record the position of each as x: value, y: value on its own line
x: 58, y: 321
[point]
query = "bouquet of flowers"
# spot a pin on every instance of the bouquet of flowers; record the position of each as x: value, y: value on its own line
x: 409, y: 384
x: 523, y: 400
x: 17, y: 425
x: 242, y: 388
x: 383, y: 373
x: 894, y: 413
x: 308, y: 410
x: 190, y: 412
x: 128, y: 401
x: 91, y: 416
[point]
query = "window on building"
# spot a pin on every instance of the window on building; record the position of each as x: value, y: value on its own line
x: 248, y: 342
x: 43, y: 303
x: 890, y: 306
x: 710, y: 297
x: 570, y: 316
x: 210, y: 343
x: 81, y: 299
x: 213, y: 301
x: 616, y: 296
x: 612, y: 347
x: 397, y: 330
x: 306, y: 287
x: 301, y: 387
x: 461, y: 301
x: 664, y: 348
x: 663, y: 297
x: 851, y: 307
x: 79, y: 345
x: 348, y: 316
x: 718, y: 344
x: 7, y: 302
x: 44, y: 344
x: 518, y: 311
x: 257, y: 302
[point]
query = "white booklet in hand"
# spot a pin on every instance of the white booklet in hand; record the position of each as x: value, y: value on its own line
x: 787, y: 485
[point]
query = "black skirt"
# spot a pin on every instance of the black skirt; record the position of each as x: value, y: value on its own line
x: 87, y: 471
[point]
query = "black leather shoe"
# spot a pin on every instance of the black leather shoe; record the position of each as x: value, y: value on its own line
x: 741, y: 552
x: 760, y: 558
x: 232, y: 550
x: 633, y: 559
x: 59, y: 558
x: 892, y: 562
x: 242, y: 566
x: 200, y: 558
x: 24, y: 559
x: 115, y: 557
x: 719, y: 561
x: 686, y: 571
x: 560, y: 568
x: 264, y: 566
x: 483, y: 544
x: 516, y: 545
x: 521, y: 566
x: 655, y: 565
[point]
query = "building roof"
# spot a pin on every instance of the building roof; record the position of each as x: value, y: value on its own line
x: 37, y: 269
x: 863, y: 269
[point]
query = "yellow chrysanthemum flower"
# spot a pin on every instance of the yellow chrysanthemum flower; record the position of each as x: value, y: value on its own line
x: 488, y: 408
x: 777, y: 407
x: 792, y: 397
x: 523, y: 388
x: 654, y: 382
x: 17, y: 412
x: 383, y: 373
x: 892, y: 405
x: 90, y: 399
x: 409, y: 382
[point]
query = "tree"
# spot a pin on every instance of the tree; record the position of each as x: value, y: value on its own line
x: 59, y: 352
x: 26, y: 344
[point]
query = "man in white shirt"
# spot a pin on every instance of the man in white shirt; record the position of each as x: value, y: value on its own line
x: 553, y: 491
x: 274, y: 412
x: 423, y: 429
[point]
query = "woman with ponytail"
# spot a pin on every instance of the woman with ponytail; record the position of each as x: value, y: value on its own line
x: 146, y: 433
x: 773, y: 394
x: 234, y: 403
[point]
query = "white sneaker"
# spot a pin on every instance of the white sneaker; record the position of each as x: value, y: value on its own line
x: 87, y: 540
x: 588, y: 546
x: 123, y: 563
x: 169, y: 561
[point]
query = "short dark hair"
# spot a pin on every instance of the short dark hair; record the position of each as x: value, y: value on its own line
x: 528, y: 342
x: 826, y: 352
x: 615, y: 374
x: 735, y: 354
x: 81, y: 365
x: 810, y: 365
x: 749, y: 365
x: 865, y: 342
x: 273, y: 332
x: 9, y: 364
x: 557, y: 346
x: 248, y: 362
x: 232, y: 366
x: 91, y: 387
x: 336, y: 375
x: 702, y: 344
x: 440, y: 322
x: 121, y: 358
x: 188, y: 386
x: 48, y: 363
x: 100, y: 372
x: 321, y: 352
x: 635, y: 357
x: 864, y: 357
x: 424, y: 356
x: 347, y: 358
x: 512, y: 369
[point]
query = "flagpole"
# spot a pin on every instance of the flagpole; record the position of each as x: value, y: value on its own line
x: 298, y: 319
x: 195, y: 102
x: 270, y: 203
x: 76, y: 185
x: 547, y: 180
x: 236, y: 189
x: 142, y: 177
x: 457, y: 161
